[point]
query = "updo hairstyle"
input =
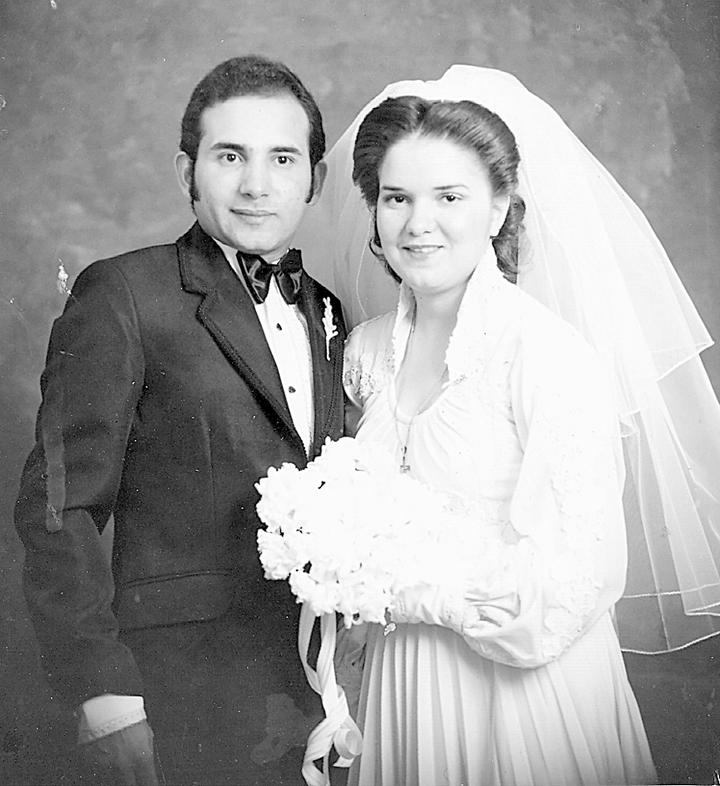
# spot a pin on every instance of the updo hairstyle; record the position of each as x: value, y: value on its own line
x: 467, y: 124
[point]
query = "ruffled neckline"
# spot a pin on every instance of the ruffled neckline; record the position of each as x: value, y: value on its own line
x: 479, y: 322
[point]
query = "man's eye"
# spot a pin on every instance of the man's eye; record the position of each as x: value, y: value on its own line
x: 283, y: 160
x: 231, y: 158
x: 450, y: 197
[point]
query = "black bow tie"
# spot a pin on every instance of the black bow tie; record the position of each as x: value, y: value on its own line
x: 257, y: 274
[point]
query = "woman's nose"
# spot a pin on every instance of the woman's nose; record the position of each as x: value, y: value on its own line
x: 420, y: 219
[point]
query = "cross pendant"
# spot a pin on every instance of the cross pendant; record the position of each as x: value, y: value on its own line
x: 404, y: 466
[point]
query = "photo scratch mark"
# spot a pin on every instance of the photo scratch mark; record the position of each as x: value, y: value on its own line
x: 62, y: 279
x: 18, y: 317
x: 12, y: 301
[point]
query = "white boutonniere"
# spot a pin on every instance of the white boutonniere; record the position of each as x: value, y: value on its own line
x: 329, y: 325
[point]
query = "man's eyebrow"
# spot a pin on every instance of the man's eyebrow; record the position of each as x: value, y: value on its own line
x: 243, y: 148
x: 287, y: 149
x: 228, y: 146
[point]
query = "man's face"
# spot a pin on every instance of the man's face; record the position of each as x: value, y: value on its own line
x: 252, y: 174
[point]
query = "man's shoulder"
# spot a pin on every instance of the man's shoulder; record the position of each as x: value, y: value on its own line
x: 137, y: 259
x: 147, y: 264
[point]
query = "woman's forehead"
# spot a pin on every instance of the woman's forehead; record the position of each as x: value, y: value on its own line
x: 419, y: 156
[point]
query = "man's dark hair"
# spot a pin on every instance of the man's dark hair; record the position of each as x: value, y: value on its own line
x: 251, y: 75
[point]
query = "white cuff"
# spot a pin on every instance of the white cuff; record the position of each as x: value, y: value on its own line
x: 103, y: 715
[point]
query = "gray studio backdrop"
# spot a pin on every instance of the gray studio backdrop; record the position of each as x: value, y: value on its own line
x: 91, y: 96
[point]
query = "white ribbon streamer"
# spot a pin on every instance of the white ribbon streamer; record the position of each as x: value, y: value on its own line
x: 338, y: 729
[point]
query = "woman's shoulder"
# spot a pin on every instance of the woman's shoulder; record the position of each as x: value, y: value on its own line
x: 368, y: 357
x: 547, y: 332
x: 553, y: 351
x: 371, y: 336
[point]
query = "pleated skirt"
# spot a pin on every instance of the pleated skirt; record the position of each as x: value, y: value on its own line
x: 435, y: 713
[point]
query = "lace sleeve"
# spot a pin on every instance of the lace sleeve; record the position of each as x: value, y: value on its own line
x: 566, y: 566
x: 368, y: 361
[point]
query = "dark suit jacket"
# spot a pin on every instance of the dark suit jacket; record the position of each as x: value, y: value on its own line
x: 162, y: 405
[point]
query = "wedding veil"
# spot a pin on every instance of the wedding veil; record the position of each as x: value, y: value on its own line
x: 589, y: 255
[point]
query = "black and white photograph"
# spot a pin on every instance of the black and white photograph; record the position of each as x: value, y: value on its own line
x: 360, y: 393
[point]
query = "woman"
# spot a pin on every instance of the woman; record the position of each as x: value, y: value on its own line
x: 516, y: 677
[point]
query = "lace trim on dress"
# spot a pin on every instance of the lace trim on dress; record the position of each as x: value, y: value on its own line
x: 581, y: 483
x: 562, y: 562
x: 367, y: 375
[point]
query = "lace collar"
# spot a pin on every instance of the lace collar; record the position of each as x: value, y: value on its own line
x: 480, y: 321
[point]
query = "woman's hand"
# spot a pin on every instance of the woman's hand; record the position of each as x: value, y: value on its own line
x: 429, y: 604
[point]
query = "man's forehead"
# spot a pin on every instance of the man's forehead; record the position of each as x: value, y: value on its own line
x: 270, y: 121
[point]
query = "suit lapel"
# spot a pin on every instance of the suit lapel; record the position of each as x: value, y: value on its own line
x: 228, y: 313
x: 327, y: 374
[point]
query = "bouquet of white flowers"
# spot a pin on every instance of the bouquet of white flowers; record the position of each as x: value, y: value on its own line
x: 349, y: 532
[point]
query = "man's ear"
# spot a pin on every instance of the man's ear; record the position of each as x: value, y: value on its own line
x: 184, y: 168
x: 319, y: 174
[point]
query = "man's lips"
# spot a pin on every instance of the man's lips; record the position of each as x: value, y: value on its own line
x: 251, y: 212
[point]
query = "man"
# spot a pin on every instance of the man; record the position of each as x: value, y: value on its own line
x: 175, y: 377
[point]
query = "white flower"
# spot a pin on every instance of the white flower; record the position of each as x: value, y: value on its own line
x: 322, y: 598
x: 350, y: 531
x: 329, y: 326
x: 276, y: 556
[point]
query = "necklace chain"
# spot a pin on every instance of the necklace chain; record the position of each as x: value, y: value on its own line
x: 404, y: 466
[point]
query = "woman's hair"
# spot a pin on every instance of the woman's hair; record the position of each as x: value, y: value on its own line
x: 467, y: 124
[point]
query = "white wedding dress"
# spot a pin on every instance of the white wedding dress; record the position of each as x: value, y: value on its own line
x: 526, y: 683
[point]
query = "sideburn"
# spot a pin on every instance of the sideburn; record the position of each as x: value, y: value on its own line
x: 195, y: 196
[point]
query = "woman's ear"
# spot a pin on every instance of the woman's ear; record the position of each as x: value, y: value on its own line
x: 498, y: 214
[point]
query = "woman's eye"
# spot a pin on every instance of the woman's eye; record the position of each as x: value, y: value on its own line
x: 450, y: 197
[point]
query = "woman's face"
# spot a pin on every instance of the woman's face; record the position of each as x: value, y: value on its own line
x: 435, y: 213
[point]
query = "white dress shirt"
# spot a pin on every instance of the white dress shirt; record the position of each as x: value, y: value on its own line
x: 286, y: 333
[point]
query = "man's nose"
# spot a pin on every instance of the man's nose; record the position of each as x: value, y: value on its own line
x: 254, y: 180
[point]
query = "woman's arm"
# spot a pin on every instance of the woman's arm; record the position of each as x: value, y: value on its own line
x: 561, y: 561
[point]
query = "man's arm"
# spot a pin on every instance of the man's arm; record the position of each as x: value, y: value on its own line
x: 91, y: 384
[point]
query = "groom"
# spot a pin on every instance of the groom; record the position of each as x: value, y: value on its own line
x: 175, y: 377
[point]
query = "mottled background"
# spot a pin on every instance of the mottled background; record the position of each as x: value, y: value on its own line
x: 92, y: 92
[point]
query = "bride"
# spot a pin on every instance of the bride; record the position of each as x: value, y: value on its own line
x: 482, y: 391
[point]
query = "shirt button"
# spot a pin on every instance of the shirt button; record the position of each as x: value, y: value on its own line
x: 278, y: 326
x: 291, y: 389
